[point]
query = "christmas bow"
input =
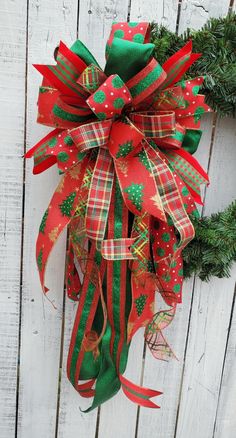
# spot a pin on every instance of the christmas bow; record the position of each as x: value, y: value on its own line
x: 123, y: 139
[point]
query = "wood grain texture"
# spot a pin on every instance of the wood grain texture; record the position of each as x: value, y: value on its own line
x: 194, y: 398
x: 225, y: 425
x: 163, y: 12
x: 95, y: 19
x: 194, y: 14
x: 41, y: 323
x: 12, y: 101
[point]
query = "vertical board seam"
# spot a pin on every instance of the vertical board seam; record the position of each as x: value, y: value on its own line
x: 214, y: 121
x: 178, y: 17
x: 22, y: 224
x: 129, y: 11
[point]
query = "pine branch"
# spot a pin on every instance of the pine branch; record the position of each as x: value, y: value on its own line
x: 213, y: 250
x: 216, y: 40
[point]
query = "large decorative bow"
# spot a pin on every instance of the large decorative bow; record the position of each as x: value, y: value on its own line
x: 123, y: 139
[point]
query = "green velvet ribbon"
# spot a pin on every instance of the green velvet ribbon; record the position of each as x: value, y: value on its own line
x: 135, y: 56
x: 191, y: 140
x: 81, y: 50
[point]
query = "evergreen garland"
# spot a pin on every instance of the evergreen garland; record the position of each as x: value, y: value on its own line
x: 216, y: 40
x: 213, y: 250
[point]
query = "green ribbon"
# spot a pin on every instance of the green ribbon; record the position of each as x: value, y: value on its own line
x: 108, y: 382
x: 191, y: 140
x: 135, y: 56
x: 81, y: 50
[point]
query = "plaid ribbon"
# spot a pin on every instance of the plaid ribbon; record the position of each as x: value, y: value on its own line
x: 117, y: 249
x: 156, y: 342
x: 91, y: 78
x: 139, y: 247
x: 154, y: 125
x: 171, y: 198
x: 91, y: 135
x: 99, y: 196
x: 173, y: 141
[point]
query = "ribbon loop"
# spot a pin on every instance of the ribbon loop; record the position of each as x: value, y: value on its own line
x: 110, y: 98
x: 154, y: 124
x: 91, y: 78
x: 146, y: 82
x: 91, y: 135
x: 117, y: 249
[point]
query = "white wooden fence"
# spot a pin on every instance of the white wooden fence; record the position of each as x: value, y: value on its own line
x: 200, y: 390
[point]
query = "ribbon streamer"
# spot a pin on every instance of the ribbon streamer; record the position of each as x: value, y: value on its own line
x: 123, y: 140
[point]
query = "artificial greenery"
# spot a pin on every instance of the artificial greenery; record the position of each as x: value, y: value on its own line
x: 213, y: 249
x: 216, y: 40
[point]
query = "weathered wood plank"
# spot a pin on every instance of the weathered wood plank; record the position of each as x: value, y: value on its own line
x: 194, y: 14
x: 41, y: 323
x: 211, y: 307
x: 163, y: 12
x: 226, y: 420
x: 13, y: 17
x: 95, y: 19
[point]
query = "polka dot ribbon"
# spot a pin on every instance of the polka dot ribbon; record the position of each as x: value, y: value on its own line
x: 110, y: 98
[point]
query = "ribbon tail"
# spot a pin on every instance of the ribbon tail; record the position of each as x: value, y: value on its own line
x: 82, y: 364
x: 189, y: 170
x: 139, y: 394
x: 57, y: 216
x: 155, y: 340
x: 42, y: 161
